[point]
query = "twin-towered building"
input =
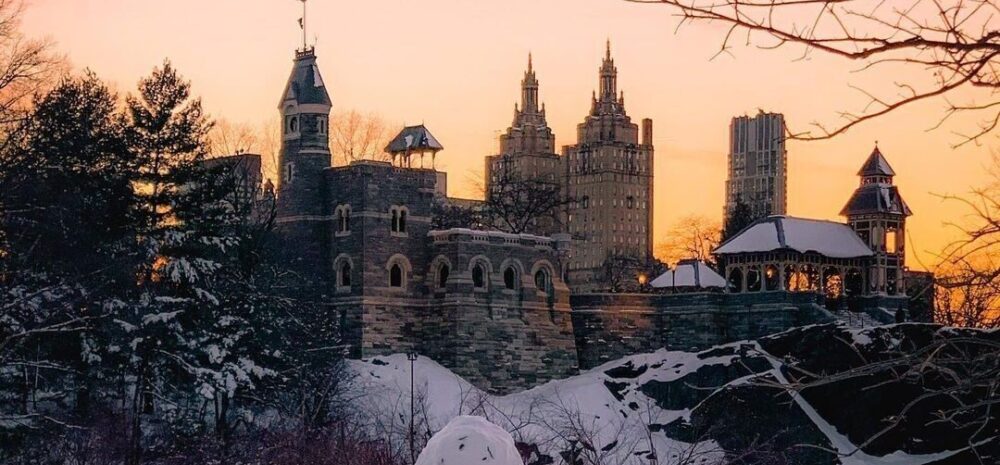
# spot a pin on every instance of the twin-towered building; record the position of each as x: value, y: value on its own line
x: 606, y: 177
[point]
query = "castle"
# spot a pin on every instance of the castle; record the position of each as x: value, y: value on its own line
x: 509, y: 311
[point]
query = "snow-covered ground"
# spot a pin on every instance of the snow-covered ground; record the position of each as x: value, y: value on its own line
x: 601, y: 414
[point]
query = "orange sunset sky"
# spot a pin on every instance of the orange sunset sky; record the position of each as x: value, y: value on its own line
x: 456, y: 66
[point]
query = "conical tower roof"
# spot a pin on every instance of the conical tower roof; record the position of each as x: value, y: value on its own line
x: 305, y: 84
x: 876, y: 165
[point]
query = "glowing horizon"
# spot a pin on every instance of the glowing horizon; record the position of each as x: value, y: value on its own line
x: 456, y: 66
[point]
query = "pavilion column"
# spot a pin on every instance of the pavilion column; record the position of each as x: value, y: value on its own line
x: 781, y: 276
x: 843, y: 281
x: 743, y: 282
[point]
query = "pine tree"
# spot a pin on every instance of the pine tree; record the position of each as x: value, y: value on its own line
x: 67, y: 201
x: 740, y: 216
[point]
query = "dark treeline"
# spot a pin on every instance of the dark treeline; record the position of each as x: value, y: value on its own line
x: 142, y: 318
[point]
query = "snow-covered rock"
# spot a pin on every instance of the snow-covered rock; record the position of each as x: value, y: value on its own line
x: 467, y: 440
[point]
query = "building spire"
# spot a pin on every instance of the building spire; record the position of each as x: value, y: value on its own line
x: 609, y: 77
x: 529, y: 89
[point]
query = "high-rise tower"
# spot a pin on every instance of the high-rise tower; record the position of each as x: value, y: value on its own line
x: 609, y: 177
x: 305, y: 154
x: 758, y: 165
x: 527, y: 152
x: 877, y: 212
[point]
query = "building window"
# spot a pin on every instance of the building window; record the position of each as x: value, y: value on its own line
x: 478, y: 277
x: 585, y: 202
x: 630, y: 202
x: 292, y: 125
x: 289, y: 172
x: 398, y: 224
x: 542, y: 281
x: 343, y: 219
x: 321, y: 124
x: 395, y: 276
x: 344, y: 275
x: 510, y: 278
x: 442, y: 276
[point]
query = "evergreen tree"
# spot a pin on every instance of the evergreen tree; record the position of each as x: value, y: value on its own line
x: 740, y: 216
x: 67, y: 202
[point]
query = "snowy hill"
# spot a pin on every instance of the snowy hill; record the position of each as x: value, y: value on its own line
x: 690, y: 408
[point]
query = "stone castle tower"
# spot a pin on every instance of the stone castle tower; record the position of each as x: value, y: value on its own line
x: 877, y: 212
x: 609, y: 175
x: 305, y: 154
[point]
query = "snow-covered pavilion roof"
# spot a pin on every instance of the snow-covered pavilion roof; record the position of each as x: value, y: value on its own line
x: 827, y: 238
x: 689, y: 273
x: 414, y: 139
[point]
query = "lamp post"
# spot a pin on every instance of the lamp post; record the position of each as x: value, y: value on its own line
x: 412, y: 357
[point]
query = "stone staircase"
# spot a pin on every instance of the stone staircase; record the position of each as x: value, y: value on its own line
x: 856, y: 320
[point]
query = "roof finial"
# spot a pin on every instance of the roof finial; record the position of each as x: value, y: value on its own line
x: 607, y: 53
x: 529, y: 62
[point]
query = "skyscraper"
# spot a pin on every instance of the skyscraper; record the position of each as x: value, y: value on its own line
x: 609, y: 177
x: 758, y: 165
x: 527, y: 152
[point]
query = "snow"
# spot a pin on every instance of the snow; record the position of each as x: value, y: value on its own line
x: 468, y: 439
x: 828, y: 238
x: 690, y: 273
x: 539, y: 415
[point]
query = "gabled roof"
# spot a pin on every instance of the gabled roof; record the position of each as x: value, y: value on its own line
x: 414, y: 139
x: 690, y: 273
x: 827, y: 238
x: 305, y: 84
x: 876, y: 198
x: 876, y: 165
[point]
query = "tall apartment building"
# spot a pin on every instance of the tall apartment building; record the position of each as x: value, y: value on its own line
x: 609, y: 176
x: 527, y: 150
x: 758, y: 165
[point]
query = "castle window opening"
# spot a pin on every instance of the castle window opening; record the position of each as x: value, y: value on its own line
x: 344, y: 280
x: 510, y: 278
x: 396, y: 276
x: 478, y: 277
x: 443, y: 272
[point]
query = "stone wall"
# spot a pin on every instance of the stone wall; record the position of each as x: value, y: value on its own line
x: 610, y: 326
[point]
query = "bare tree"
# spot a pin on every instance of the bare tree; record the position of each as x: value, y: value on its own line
x: 518, y: 204
x: 359, y: 136
x: 26, y: 65
x: 693, y: 236
x: 945, y: 48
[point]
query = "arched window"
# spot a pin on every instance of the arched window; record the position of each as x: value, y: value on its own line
x: 753, y: 279
x: 402, y: 221
x: 510, y: 278
x: 542, y: 280
x: 771, y: 278
x: 293, y: 124
x: 442, y: 276
x: 289, y: 172
x: 395, y: 221
x: 321, y: 125
x: 479, y: 276
x: 344, y: 275
x: 396, y: 275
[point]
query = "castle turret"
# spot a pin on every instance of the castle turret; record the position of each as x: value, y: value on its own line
x: 305, y: 154
x: 877, y: 212
x: 305, y: 147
